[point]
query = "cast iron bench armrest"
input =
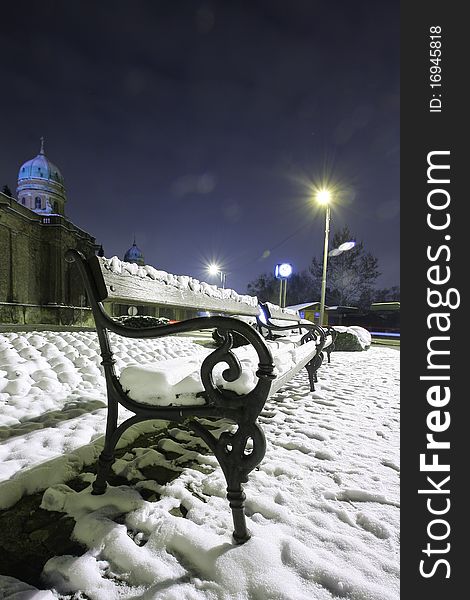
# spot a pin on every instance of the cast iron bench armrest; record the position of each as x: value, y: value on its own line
x: 313, y: 330
x: 333, y: 333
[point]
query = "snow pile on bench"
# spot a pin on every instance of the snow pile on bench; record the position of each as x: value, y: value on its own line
x: 178, y: 380
x: 289, y: 311
x: 182, y: 282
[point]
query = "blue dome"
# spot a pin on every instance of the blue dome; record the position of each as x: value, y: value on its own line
x: 134, y: 255
x: 41, y: 185
x: 40, y: 167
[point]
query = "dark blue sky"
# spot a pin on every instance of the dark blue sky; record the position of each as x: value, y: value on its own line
x: 197, y: 125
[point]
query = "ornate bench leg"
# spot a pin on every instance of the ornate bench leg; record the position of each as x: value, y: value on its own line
x: 312, y: 368
x: 105, y: 462
x: 237, y: 464
x: 106, y: 458
x: 231, y: 452
x: 311, y: 375
x: 236, y: 498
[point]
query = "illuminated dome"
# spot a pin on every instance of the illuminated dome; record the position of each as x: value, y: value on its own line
x: 134, y: 255
x: 40, y: 167
x: 41, y: 185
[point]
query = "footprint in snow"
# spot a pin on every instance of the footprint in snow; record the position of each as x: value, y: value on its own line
x: 372, y: 526
x: 323, y: 402
x: 324, y: 455
x: 294, y: 446
x: 313, y: 435
x: 355, y: 495
x: 391, y: 465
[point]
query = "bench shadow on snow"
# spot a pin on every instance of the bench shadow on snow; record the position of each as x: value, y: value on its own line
x: 53, y: 418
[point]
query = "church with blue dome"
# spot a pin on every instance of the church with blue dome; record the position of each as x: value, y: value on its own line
x: 41, y: 185
x: 134, y: 255
x: 37, y: 285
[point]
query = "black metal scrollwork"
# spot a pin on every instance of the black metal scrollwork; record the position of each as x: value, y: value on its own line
x: 231, y: 451
x: 222, y: 354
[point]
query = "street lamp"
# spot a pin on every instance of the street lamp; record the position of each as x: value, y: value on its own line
x: 282, y: 272
x: 214, y: 269
x: 343, y: 248
x: 323, y: 197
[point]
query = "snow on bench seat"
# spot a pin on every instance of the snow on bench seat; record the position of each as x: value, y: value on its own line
x: 297, y: 337
x: 177, y: 381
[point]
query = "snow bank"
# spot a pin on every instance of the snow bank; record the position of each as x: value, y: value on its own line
x: 323, y: 508
x: 53, y: 393
x: 352, y: 338
x: 364, y: 336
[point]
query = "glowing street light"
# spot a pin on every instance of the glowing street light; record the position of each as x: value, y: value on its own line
x: 323, y: 196
x: 214, y: 269
x: 347, y: 246
x: 282, y: 272
x: 343, y: 248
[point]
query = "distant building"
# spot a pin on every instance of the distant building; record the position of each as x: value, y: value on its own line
x: 380, y: 318
x: 384, y: 317
x: 134, y: 255
x: 307, y: 310
x: 343, y: 315
x: 37, y: 285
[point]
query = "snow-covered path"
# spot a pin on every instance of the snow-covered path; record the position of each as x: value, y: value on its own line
x: 322, y: 508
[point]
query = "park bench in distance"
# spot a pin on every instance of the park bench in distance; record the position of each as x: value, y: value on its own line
x: 238, y: 453
x: 273, y: 325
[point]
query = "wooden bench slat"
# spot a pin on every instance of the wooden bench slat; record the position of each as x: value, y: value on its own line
x: 143, y: 290
x: 279, y: 313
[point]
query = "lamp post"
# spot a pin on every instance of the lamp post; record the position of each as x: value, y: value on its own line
x: 282, y: 272
x: 324, y: 198
x: 214, y: 269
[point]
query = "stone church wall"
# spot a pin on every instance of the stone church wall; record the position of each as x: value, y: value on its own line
x: 37, y: 285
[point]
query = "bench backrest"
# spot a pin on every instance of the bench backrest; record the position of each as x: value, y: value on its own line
x: 127, y: 288
x: 271, y: 311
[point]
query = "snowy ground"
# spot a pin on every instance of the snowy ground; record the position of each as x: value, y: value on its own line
x: 322, y: 508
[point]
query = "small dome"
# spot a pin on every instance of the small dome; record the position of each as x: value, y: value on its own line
x: 134, y: 255
x: 40, y: 167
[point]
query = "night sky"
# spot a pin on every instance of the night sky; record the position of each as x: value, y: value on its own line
x: 201, y: 126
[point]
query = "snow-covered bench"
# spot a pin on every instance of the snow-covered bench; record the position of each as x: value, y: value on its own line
x: 274, y: 326
x: 229, y: 383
